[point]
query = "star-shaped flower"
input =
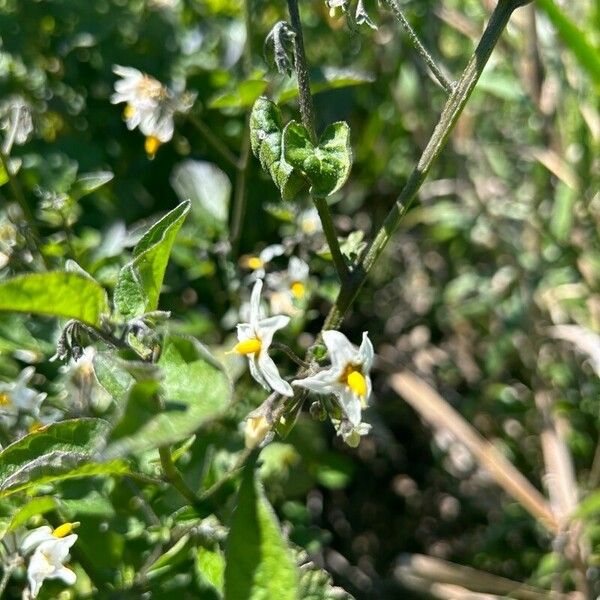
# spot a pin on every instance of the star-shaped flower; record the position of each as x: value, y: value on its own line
x: 17, y: 397
x: 50, y: 551
x: 347, y: 377
x: 255, y: 338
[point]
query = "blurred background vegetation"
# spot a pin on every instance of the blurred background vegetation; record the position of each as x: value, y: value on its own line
x: 501, y: 246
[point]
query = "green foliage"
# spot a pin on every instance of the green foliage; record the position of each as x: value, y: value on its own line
x: 266, y: 129
x: 259, y: 565
x: 58, y: 294
x: 191, y: 390
x: 139, y: 282
x: 326, y: 165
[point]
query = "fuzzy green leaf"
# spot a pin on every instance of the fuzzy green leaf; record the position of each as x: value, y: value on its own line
x: 327, y: 165
x: 265, y: 136
x: 57, y: 294
x: 50, y: 453
x: 194, y: 388
x: 259, y: 564
x: 140, y: 280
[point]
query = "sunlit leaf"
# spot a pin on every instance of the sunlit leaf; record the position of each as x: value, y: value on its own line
x: 57, y: 294
x: 140, y: 280
x: 259, y: 564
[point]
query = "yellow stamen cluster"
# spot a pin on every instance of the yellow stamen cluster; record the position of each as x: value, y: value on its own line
x: 251, y: 346
x: 128, y: 111
x: 64, y: 530
x: 5, y: 399
x: 355, y: 380
x: 298, y: 290
x: 36, y: 426
x: 254, y: 262
x: 151, y: 145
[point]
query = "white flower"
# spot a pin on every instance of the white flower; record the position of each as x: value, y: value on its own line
x: 17, y: 397
x: 347, y: 378
x: 149, y: 105
x: 50, y: 550
x: 258, y: 263
x: 288, y: 286
x: 309, y: 222
x: 255, y: 338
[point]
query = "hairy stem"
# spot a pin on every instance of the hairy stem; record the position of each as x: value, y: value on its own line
x: 205, y: 131
x: 450, y: 114
x: 308, y: 120
x: 437, y: 71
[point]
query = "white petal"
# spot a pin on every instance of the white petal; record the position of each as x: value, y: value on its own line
x: 38, y: 570
x: 256, y: 373
x: 350, y: 404
x: 366, y: 353
x: 57, y: 549
x: 324, y: 382
x: 245, y: 331
x: 297, y: 269
x: 270, y: 372
x: 270, y: 252
x: 65, y: 574
x: 126, y: 72
x: 255, y: 303
x: 36, y: 537
x: 341, y: 351
x: 268, y: 327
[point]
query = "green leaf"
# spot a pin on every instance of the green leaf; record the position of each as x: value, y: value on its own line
x: 266, y: 138
x: 210, y: 565
x: 50, y: 453
x: 194, y: 388
x: 57, y: 294
x: 244, y: 95
x: 327, y: 165
x: 209, y: 189
x: 89, y: 182
x: 563, y: 212
x: 37, y: 506
x: 259, y: 564
x: 589, y: 506
x: 316, y: 584
x: 574, y: 38
x: 139, y: 282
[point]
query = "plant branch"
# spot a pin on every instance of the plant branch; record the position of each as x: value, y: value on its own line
x: 239, y: 197
x: 289, y: 353
x: 307, y: 115
x: 437, y: 71
x: 450, y: 114
x: 175, y: 478
x: 205, y: 131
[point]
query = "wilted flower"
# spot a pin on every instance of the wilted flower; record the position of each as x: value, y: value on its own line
x: 255, y: 338
x: 50, y: 549
x: 288, y: 285
x: 150, y: 106
x: 256, y: 429
x: 17, y: 397
x: 347, y: 378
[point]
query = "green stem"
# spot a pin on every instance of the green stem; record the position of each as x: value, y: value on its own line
x: 307, y: 115
x: 450, y: 114
x: 175, y: 478
x: 205, y: 131
x: 239, y: 197
x: 8, y: 571
x: 418, y: 46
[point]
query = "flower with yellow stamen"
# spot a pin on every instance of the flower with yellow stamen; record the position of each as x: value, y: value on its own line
x: 255, y: 338
x: 151, y: 146
x: 18, y: 398
x: 50, y: 550
x: 289, y: 286
x: 347, y: 378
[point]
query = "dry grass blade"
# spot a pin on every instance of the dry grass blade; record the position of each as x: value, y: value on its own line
x: 559, y: 472
x: 429, y: 571
x: 438, y: 413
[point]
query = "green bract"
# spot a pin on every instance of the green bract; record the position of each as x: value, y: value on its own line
x: 266, y: 139
x: 326, y: 165
x: 140, y: 280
